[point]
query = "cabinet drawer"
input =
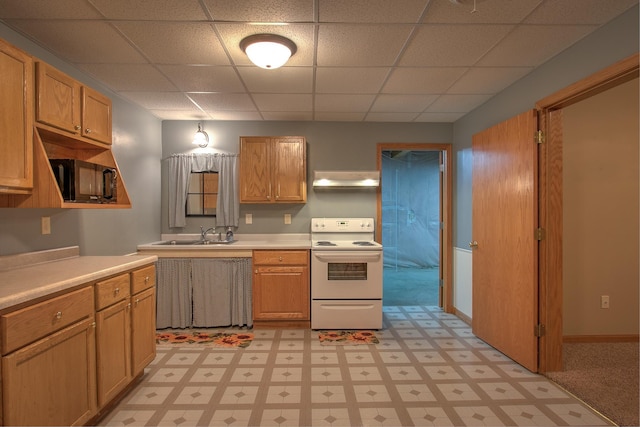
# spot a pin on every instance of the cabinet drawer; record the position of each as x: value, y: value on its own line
x: 29, y: 324
x: 142, y: 279
x: 280, y: 257
x: 112, y: 290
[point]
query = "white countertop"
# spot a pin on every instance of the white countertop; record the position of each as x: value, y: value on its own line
x: 29, y: 282
x: 242, y: 243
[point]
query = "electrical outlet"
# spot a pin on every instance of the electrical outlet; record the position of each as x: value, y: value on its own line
x: 46, y: 225
x: 287, y: 219
x: 248, y: 219
x: 604, y: 301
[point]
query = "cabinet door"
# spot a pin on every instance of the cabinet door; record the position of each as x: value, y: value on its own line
x: 281, y: 293
x: 255, y: 170
x: 114, y: 350
x: 96, y: 115
x: 52, y: 381
x: 58, y: 98
x: 290, y: 172
x: 16, y: 120
x: 143, y: 329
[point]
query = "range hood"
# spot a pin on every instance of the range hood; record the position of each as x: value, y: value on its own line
x: 346, y: 179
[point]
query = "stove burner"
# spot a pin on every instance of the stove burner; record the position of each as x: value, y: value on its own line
x: 325, y: 243
x: 363, y: 243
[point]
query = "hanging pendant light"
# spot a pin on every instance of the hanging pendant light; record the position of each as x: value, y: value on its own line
x: 268, y: 51
x: 201, y: 138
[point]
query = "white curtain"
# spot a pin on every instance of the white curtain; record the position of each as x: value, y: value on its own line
x: 228, y: 205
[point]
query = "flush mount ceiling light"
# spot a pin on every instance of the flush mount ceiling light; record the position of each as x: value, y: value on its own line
x: 268, y: 50
x: 201, y: 138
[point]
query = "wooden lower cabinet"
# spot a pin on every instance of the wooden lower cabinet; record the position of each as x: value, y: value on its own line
x: 281, y: 288
x: 67, y: 358
x: 52, y: 381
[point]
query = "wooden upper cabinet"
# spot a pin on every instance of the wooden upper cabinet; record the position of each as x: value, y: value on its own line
x: 273, y: 169
x: 16, y: 120
x: 63, y: 103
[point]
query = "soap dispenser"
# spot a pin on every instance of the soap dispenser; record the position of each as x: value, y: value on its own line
x: 229, y: 234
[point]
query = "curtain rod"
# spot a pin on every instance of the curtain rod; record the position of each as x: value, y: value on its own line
x: 200, y: 155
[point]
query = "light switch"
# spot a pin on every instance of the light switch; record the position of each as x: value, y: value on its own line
x: 248, y: 219
x: 287, y: 219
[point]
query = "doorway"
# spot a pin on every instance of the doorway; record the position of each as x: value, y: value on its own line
x: 412, y: 223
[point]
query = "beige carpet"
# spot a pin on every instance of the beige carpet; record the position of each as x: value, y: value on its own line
x: 604, y: 375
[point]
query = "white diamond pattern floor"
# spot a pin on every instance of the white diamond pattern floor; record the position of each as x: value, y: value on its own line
x: 427, y: 370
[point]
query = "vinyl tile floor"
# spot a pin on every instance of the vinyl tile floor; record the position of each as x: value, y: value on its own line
x: 427, y: 370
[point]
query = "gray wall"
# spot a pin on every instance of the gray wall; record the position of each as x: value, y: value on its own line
x: 137, y: 149
x: 330, y: 146
x: 611, y: 43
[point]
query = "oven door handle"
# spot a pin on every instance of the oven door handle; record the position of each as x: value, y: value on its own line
x: 347, y: 256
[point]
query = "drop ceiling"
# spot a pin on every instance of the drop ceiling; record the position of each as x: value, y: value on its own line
x: 357, y: 60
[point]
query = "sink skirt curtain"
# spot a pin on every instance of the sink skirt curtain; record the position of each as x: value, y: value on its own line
x: 208, y: 292
x: 228, y: 203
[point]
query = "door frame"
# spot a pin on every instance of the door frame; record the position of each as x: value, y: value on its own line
x: 550, y: 200
x: 446, y: 245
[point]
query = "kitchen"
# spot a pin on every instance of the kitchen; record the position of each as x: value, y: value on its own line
x: 338, y: 145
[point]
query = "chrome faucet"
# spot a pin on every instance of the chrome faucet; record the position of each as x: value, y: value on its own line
x: 203, y: 232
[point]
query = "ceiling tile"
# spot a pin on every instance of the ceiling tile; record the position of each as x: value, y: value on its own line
x: 402, y: 103
x: 542, y: 42
x: 452, y: 45
x: 70, y: 40
x: 283, y: 102
x: 235, y: 115
x: 179, y: 114
x: 261, y: 10
x: 203, y: 78
x: 578, y: 12
x: 391, y: 117
x: 338, y: 117
x: 487, y: 80
x: 280, y: 80
x: 422, y: 80
x: 176, y: 42
x: 46, y: 9
x: 486, y: 11
x: 223, y: 101
x: 344, y: 103
x: 438, y: 117
x: 457, y: 103
x: 130, y: 77
x: 160, y: 100
x: 151, y: 10
x: 289, y: 116
x: 396, y: 11
x: 350, y: 80
x: 360, y: 45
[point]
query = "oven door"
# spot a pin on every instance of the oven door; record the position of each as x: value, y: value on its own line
x: 346, y: 274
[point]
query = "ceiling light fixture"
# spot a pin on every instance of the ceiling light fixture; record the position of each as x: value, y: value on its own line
x: 201, y: 138
x: 268, y: 51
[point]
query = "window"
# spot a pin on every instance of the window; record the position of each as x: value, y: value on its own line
x: 202, y: 194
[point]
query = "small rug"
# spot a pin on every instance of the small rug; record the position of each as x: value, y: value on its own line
x: 216, y: 339
x: 347, y: 337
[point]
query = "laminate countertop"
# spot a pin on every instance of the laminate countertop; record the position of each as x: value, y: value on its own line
x: 28, y: 277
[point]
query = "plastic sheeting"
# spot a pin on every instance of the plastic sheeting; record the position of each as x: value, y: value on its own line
x: 411, y: 209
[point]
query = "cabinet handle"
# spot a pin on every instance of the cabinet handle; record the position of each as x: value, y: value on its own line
x: 146, y: 279
x: 77, y: 127
x: 129, y: 305
x: 87, y: 131
x: 116, y: 291
x: 59, y: 315
x: 94, y: 325
x: 280, y: 259
x: 473, y: 245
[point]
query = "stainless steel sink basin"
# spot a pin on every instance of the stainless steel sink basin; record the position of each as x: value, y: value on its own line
x: 192, y: 242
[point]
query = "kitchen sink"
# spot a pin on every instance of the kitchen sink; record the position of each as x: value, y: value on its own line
x: 192, y: 242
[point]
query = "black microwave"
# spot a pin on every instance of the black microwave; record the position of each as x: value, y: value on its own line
x: 85, y: 182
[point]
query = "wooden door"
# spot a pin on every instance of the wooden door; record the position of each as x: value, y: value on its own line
x: 505, y: 281
x: 289, y: 176
x: 96, y: 115
x: 16, y: 120
x: 113, y: 350
x: 281, y: 293
x: 57, y: 98
x: 255, y: 170
x: 143, y: 330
